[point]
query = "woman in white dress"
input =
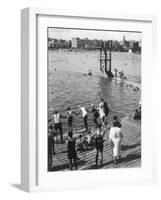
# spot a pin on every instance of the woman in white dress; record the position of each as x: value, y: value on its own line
x: 115, y: 137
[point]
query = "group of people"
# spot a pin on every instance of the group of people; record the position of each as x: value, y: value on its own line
x: 121, y: 74
x: 100, y: 113
x: 137, y: 114
x: 95, y: 139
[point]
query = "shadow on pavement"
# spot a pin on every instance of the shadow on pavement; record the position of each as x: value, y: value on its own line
x: 127, y: 147
x: 65, y: 166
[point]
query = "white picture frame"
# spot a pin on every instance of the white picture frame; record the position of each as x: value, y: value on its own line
x: 30, y: 109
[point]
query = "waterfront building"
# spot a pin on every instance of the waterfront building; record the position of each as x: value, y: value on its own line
x: 115, y: 45
x: 59, y: 43
x: 75, y: 42
x: 124, y: 41
x: 131, y: 44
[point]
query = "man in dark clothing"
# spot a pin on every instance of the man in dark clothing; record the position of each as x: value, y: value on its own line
x: 95, y: 114
x: 99, y: 143
x: 106, y: 109
x: 53, y: 134
x: 51, y: 150
x: 69, y: 118
x: 72, y: 153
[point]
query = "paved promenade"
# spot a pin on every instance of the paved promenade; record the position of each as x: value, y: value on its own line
x: 131, y: 151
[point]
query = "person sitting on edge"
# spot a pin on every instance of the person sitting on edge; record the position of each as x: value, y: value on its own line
x: 81, y: 143
x: 72, y: 152
x: 90, y: 138
x: 116, y: 121
x: 57, y: 124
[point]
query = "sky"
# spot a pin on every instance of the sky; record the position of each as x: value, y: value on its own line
x: 68, y: 34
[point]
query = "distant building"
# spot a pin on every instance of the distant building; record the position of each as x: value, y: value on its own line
x: 131, y: 44
x: 124, y: 41
x: 85, y: 43
x: 97, y: 43
x: 115, y: 45
x: 56, y: 44
x: 75, y: 42
x: 136, y: 45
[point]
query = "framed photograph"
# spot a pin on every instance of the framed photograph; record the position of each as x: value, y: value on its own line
x: 86, y: 99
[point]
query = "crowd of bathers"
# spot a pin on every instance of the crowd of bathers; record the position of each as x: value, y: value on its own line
x: 89, y: 139
x: 100, y: 114
x: 121, y: 74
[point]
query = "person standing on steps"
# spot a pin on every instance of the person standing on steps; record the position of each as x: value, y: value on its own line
x: 115, y: 136
x: 72, y: 152
x: 70, y: 118
x: 99, y: 143
x: 95, y: 112
x: 103, y: 110
x: 57, y: 124
x: 84, y: 113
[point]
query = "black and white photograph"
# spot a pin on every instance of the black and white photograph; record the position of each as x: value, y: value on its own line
x: 94, y: 99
